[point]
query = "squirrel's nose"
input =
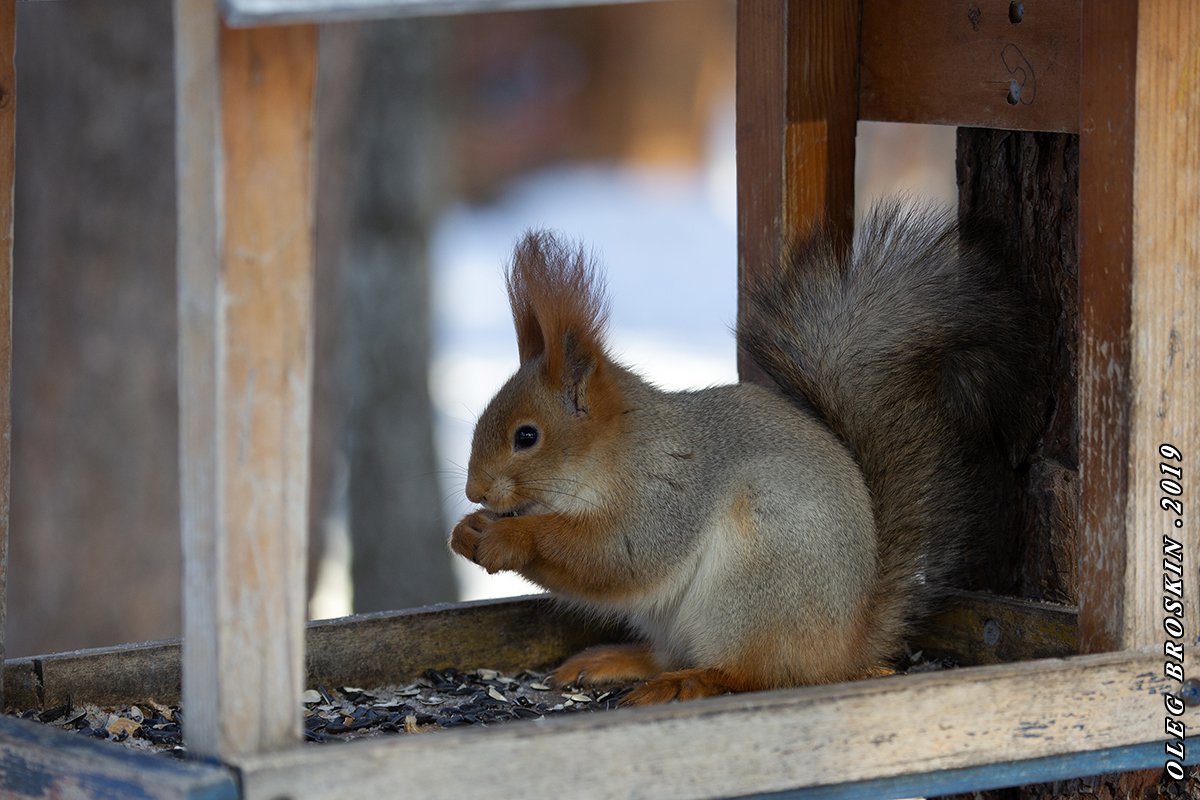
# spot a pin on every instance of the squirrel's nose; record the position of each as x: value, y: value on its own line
x: 475, y: 492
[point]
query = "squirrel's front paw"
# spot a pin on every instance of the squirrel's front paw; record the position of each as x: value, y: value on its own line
x: 492, y: 542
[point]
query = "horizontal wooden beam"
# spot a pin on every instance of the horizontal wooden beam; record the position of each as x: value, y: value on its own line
x: 975, y: 628
x: 511, y: 634
x: 364, y: 650
x: 247, y: 13
x: 989, y: 64
x: 887, y: 728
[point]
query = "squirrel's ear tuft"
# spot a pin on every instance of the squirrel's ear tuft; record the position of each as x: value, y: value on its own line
x: 558, y: 307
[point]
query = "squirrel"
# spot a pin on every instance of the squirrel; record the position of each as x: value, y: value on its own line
x: 761, y: 537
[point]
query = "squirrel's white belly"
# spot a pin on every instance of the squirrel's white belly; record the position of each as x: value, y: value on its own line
x: 678, y: 617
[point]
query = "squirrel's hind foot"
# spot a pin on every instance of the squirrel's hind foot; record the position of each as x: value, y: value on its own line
x: 688, y: 684
x: 607, y: 663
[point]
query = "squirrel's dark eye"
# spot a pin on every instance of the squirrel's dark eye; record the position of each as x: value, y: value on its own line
x: 525, y: 437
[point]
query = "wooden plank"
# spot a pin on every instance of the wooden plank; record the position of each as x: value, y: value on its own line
x: 796, y: 122
x: 1166, y: 317
x: 8, y: 163
x: 245, y: 13
x: 244, y: 105
x: 987, y: 629
x: 508, y: 635
x: 1108, y: 55
x: 396, y: 647
x: 38, y: 761
x: 363, y: 650
x: 773, y: 741
x: 106, y: 676
x: 983, y: 64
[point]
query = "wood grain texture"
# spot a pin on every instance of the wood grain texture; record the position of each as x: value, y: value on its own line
x: 982, y: 629
x: 1026, y: 184
x: 37, y: 761
x: 508, y: 635
x: 8, y: 140
x: 796, y: 123
x: 1108, y: 55
x: 1165, y: 313
x: 244, y: 103
x: 950, y: 62
x: 766, y: 742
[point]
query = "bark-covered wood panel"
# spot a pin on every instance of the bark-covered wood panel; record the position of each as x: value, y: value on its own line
x: 1027, y: 183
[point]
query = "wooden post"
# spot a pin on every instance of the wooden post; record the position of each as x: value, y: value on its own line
x: 244, y: 111
x: 1108, y: 54
x: 8, y: 141
x: 1138, y: 296
x: 1165, y: 311
x: 797, y: 113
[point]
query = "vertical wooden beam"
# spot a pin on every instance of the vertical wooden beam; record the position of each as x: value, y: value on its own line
x: 1165, y: 346
x: 8, y: 157
x: 797, y: 112
x: 1139, y: 159
x: 244, y: 121
x: 1108, y: 56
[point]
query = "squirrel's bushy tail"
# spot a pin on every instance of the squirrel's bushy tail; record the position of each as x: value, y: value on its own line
x: 917, y: 349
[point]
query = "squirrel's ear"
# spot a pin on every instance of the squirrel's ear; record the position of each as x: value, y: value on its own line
x: 558, y: 310
x: 580, y: 374
x: 529, y: 261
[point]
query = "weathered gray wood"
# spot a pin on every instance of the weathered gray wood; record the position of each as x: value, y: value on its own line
x: 37, y: 761
x: 396, y: 647
x: 274, y: 12
x: 364, y: 650
x: 508, y: 635
x: 244, y: 106
x: 740, y: 744
x: 1165, y: 337
x: 8, y: 140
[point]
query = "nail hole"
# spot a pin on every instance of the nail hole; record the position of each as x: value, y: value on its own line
x: 1014, y: 93
x: 991, y: 633
x: 1016, y: 12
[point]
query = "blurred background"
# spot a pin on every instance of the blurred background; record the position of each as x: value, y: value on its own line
x: 439, y: 142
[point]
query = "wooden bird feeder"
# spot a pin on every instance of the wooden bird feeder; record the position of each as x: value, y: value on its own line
x: 1058, y: 691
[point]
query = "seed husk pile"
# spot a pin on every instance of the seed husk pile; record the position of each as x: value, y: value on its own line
x: 447, y: 698
x: 439, y: 699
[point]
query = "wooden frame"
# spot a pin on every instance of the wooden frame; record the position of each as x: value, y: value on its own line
x: 1133, y: 71
x: 8, y: 157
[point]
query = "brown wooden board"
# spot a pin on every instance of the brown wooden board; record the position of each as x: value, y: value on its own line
x: 8, y: 140
x: 37, y: 761
x: 1108, y: 63
x: 988, y: 629
x: 796, y: 120
x: 953, y: 63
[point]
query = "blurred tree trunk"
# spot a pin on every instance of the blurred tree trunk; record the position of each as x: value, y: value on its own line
x: 397, y: 182
x: 95, y: 546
